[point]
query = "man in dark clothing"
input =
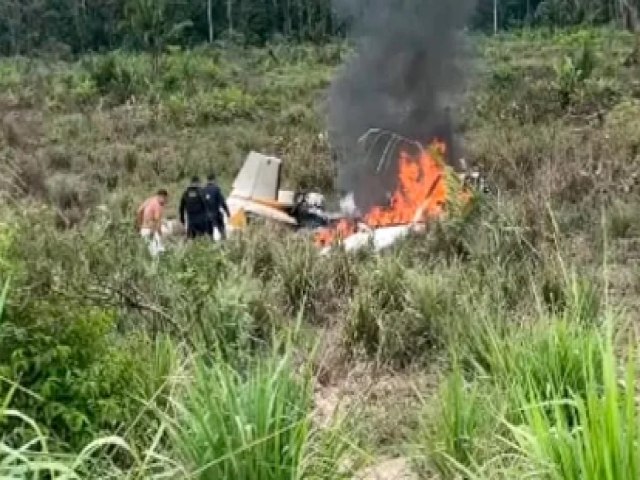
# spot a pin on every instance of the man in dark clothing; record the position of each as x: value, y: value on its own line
x: 194, y: 208
x: 216, y: 204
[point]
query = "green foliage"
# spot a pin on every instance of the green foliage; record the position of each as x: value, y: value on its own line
x: 375, y: 310
x: 3, y: 298
x: 552, y: 364
x: 400, y: 315
x: 150, y: 23
x: 155, y: 385
x: 112, y: 77
x: 7, y: 239
x: 255, y: 425
x: 93, y: 317
x: 298, y: 269
x: 224, y: 104
x: 74, y: 379
x: 574, y: 71
x: 451, y: 432
x: 604, y: 445
x: 57, y: 29
x: 552, y: 403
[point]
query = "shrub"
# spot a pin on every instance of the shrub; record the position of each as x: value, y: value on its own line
x: 216, y: 307
x: 375, y: 310
x: 156, y: 383
x: 71, y: 195
x: 574, y: 71
x: 398, y: 315
x: 223, y: 105
x: 35, y: 460
x: 112, y: 77
x: 550, y: 358
x: 73, y: 378
x: 622, y: 221
x: 7, y: 236
x: 299, y: 273
x: 554, y: 364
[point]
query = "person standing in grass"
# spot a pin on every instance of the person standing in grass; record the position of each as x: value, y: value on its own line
x: 193, y: 210
x: 149, y: 220
x: 216, y: 205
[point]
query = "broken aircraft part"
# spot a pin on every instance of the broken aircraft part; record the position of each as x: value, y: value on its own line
x: 256, y: 192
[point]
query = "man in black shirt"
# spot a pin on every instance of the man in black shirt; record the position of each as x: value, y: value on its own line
x: 194, y: 208
x: 216, y: 204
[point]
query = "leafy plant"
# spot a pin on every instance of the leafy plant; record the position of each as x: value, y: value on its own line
x: 77, y: 378
x: 550, y: 360
x: 573, y: 71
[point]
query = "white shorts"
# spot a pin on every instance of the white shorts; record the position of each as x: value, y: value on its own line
x: 153, y: 240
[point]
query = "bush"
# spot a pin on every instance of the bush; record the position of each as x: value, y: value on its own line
x: 398, y: 315
x: 113, y: 77
x: 7, y: 236
x: 548, y: 400
x: 72, y: 196
x: 375, y: 310
x: 73, y: 378
x: 224, y: 105
x: 299, y: 274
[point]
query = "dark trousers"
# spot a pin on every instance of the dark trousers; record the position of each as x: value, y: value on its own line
x: 220, y: 226
x: 197, y: 227
x: 217, y: 223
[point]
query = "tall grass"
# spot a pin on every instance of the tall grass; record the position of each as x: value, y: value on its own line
x: 604, y: 445
x: 34, y: 459
x: 550, y: 360
x: 3, y: 297
x: 452, y: 435
x: 550, y: 402
x: 256, y: 425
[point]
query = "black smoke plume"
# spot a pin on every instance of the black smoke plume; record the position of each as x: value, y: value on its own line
x: 406, y: 74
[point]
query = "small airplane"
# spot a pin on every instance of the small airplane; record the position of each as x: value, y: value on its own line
x: 256, y: 194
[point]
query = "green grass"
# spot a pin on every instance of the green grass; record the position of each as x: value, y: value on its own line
x: 255, y: 425
x: 453, y: 428
x: 555, y: 405
x: 34, y: 459
x: 604, y: 442
x: 3, y: 297
x: 487, y: 301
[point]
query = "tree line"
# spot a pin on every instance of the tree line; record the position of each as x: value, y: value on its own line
x: 77, y: 26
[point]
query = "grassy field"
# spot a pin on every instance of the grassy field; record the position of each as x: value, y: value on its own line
x: 496, y: 345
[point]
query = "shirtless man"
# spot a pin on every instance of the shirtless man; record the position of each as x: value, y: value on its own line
x: 149, y: 219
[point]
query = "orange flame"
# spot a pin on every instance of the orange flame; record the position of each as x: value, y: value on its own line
x: 342, y: 230
x: 421, y: 191
x: 421, y: 194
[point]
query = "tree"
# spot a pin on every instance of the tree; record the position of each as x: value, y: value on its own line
x: 210, y: 19
x: 151, y: 24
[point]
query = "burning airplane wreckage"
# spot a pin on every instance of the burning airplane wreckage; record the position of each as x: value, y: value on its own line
x: 408, y: 70
x: 426, y: 189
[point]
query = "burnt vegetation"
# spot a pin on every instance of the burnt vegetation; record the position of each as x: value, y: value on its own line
x: 497, y: 344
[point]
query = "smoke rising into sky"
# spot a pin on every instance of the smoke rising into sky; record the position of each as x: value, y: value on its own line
x: 406, y: 71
